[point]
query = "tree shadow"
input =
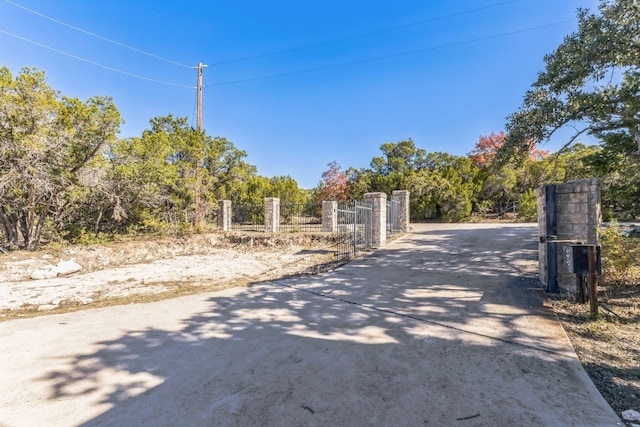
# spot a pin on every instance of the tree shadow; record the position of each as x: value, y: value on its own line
x: 426, y: 331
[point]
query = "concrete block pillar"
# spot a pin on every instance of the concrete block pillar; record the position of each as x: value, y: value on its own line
x: 225, y: 214
x: 271, y: 214
x: 329, y: 216
x: 573, y: 215
x: 402, y: 198
x: 378, y: 201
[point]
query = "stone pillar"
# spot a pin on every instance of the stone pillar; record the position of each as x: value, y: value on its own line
x: 402, y: 198
x: 577, y: 217
x: 271, y: 214
x: 225, y: 213
x: 378, y: 218
x: 329, y: 216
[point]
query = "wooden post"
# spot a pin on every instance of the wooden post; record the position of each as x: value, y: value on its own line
x: 593, y: 279
x: 581, y: 298
x: 198, y: 190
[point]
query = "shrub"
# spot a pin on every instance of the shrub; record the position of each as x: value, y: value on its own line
x: 528, y: 206
x: 620, y: 256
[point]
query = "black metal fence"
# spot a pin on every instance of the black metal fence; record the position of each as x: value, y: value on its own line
x: 300, y: 217
x: 247, y: 217
x: 294, y: 217
x: 354, y: 232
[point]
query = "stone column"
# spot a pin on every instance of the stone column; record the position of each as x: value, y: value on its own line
x: 402, y: 198
x: 329, y: 216
x: 577, y: 217
x: 379, y: 217
x: 225, y: 214
x: 271, y: 214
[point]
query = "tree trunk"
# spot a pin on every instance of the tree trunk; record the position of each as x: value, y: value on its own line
x: 9, y: 227
x: 97, y: 228
x: 33, y: 226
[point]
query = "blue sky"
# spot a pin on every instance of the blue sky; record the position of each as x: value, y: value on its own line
x: 299, y: 84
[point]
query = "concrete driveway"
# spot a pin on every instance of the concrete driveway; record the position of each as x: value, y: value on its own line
x: 445, y: 326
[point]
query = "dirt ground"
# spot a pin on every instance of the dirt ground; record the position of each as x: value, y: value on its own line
x: 140, y: 271
x: 608, y: 346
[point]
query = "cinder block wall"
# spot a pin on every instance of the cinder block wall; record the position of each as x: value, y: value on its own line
x: 578, y: 217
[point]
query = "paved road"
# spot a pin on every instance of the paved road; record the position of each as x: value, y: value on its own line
x: 445, y: 326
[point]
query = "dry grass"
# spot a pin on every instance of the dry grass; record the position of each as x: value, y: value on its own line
x: 608, y: 345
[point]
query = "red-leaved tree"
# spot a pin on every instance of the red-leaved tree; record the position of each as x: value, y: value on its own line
x: 487, y: 147
x: 333, y: 185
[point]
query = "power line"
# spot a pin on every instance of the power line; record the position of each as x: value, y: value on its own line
x: 160, y: 58
x: 395, y: 55
x: 363, y: 35
x: 97, y: 64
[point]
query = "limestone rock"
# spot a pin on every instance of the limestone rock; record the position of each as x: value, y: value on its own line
x: 61, y: 269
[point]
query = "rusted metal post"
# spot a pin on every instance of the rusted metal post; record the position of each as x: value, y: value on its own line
x: 592, y: 255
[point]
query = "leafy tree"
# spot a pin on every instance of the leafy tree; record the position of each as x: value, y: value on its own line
x: 333, y: 185
x: 226, y: 169
x: 440, y: 185
x: 257, y: 188
x: 620, y: 176
x: 591, y: 81
x: 154, y: 176
x: 46, y: 142
x: 486, y: 149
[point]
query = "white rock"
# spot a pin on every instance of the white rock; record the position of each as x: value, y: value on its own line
x: 45, y: 272
x: 631, y: 415
x: 67, y: 267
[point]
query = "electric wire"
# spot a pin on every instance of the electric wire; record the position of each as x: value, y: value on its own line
x: 98, y: 36
x: 97, y: 64
x: 363, y: 35
x: 385, y: 30
x: 394, y: 55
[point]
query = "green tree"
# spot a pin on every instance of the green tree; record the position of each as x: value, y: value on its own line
x: 154, y: 176
x: 441, y: 185
x: 226, y: 169
x: 46, y: 142
x: 591, y: 81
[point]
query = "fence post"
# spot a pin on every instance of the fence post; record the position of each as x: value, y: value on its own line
x: 271, y: 214
x: 378, y: 202
x: 402, y: 197
x: 224, y: 215
x: 329, y: 216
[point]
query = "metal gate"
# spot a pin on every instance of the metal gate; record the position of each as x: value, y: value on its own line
x: 393, y: 217
x: 354, y: 233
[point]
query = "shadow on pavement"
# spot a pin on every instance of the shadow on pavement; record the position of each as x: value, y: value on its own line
x: 442, y: 327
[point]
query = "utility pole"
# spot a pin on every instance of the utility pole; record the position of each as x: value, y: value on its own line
x: 199, y: 160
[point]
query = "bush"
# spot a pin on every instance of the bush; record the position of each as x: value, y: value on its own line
x: 528, y: 206
x: 620, y: 256
x: 85, y: 238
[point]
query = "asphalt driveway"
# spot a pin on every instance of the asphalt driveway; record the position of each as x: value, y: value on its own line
x: 444, y: 326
